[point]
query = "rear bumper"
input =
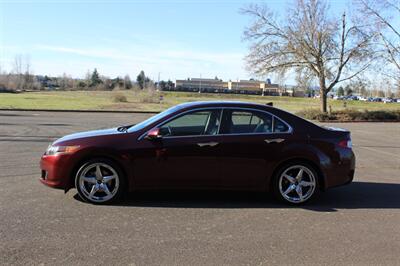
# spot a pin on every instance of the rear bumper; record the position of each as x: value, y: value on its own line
x: 341, y: 172
x: 54, y: 171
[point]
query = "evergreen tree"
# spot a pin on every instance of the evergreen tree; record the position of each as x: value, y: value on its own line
x: 95, y: 78
x: 348, y: 90
x: 163, y: 85
x: 142, y: 80
x: 340, y: 91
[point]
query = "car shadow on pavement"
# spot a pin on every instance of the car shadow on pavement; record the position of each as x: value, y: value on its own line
x: 358, y: 195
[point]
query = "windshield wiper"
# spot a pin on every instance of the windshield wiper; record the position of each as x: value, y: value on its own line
x: 124, y: 128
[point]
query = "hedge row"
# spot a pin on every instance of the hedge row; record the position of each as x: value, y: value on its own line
x: 351, y: 115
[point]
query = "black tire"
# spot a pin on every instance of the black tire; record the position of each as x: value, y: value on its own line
x: 116, y: 184
x: 281, y: 184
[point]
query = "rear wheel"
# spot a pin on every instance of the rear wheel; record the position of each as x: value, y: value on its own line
x: 296, y: 183
x: 99, y: 181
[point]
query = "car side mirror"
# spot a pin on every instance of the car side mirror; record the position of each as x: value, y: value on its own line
x: 153, y: 134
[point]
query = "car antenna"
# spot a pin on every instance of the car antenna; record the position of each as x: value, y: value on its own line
x: 270, y: 104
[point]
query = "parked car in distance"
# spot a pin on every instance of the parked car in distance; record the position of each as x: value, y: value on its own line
x: 338, y: 97
x: 362, y: 98
x: 204, y: 145
x: 351, y: 98
x: 377, y: 99
x: 388, y: 100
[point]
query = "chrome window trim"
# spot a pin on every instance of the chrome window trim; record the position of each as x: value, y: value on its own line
x: 290, y: 129
x: 178, y: 115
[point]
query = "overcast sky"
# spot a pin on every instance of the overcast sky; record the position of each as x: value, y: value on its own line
x: 177, y: 39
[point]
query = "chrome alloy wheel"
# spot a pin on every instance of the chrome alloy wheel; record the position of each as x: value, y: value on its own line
x: 297, y: 184
x: 98, y: 182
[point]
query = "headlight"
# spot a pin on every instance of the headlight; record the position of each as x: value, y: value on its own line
x: 54, y: 150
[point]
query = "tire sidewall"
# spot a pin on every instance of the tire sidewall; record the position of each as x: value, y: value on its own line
x: 121, y: 187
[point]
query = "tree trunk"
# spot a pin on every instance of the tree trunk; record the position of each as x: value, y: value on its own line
x: 323, y: 102
x: 323, y: 94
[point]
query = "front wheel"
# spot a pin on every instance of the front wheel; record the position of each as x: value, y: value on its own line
x: 295, y: 183
x: 99, y: 181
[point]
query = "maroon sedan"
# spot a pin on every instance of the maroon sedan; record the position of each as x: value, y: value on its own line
x: 204, y: 145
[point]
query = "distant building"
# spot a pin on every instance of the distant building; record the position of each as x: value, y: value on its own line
x: 217, y: 85
x: 205, y: 85
x: 294, y: 92
x: 254, y: 87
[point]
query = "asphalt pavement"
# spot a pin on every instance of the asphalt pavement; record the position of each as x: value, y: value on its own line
x: 357, y: 224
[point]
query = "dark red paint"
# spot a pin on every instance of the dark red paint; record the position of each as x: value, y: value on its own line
x: 238, y: 162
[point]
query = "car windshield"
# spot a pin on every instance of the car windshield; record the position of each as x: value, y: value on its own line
x: 152, y: 119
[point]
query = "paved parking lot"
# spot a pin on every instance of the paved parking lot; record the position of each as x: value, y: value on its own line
x: 356, y: 224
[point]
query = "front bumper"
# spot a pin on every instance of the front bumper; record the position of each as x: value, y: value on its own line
x: 55, y: 170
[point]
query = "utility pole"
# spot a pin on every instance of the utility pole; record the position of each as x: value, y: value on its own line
x: 158, y: 82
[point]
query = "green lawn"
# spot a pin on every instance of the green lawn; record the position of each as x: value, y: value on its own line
x: 144, y: 101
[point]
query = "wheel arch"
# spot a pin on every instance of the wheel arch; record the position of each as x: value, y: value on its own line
x: 92, y: 156
x: 280, y: 165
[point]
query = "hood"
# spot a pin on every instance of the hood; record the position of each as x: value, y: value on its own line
x: 88, y: 134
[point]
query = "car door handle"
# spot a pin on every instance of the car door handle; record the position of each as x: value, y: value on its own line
x: 208, y: 144
x: 274, y: 140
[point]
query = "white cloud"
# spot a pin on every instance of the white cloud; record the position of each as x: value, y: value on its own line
x: 97, y: 53
x: 171, y: 61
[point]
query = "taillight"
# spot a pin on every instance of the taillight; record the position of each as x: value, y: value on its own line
x: 345, y: 143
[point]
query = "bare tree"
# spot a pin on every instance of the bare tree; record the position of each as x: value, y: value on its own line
x: 17, y: 67
x: 384, y: 15
x: 304, y: 81
x: 398, y: 89
x: 307, y: 39
x: 28, y: 78
x: 87, y: 78
x: 127, y: 82
x: 23, y: 77
x: 66, y: 82
x: 17, y: 70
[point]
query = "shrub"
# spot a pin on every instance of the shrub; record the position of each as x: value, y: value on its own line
x: 150, y: 96
x: 315, y: 114
x: 120, y: 98
x: 351, y: 115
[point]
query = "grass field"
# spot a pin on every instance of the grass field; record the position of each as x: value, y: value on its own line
x: 145, y: 101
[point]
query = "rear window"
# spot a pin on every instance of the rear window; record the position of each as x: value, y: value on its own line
x: 279, y: 126
x: 249, y: 122
x: 241, y: 121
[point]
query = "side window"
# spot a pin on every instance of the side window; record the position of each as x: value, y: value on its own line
x: 248, y: 122
x: 195, y: 123
x: 279, y: 126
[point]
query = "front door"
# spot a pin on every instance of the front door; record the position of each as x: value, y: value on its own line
x: 185, y: 156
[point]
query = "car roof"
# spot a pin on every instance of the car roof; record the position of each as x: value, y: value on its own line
x: 198, y: 104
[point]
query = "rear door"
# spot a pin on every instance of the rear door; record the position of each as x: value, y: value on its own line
x: 251, y: 143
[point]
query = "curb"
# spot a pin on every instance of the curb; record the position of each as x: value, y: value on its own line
x: 155, y: 112
x: 357, y: 121
x: 79, y: 111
